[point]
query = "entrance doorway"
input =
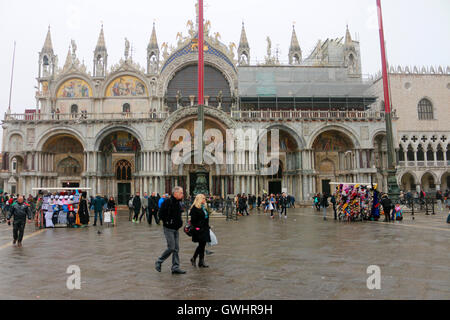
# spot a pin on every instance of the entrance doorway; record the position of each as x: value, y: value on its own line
x: 326, y: 189
x: 124, y: 193
x: 275, y: 187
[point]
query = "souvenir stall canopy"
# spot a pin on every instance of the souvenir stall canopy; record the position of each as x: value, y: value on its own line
x: 59, y: 207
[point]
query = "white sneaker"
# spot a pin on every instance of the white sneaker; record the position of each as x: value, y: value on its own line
x: 285, y: 217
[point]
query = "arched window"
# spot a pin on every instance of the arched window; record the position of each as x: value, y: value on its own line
x: 410, y: 153
x: 448, y: 153
x: 425, y: 110
x: 126, y: 108
x: 46, y: 61
x: 439, y: 154
x: 69, y: 167
x: 430, y: 154
x: 401, y: 154
x: 123, y: 171
x: 420, y: 153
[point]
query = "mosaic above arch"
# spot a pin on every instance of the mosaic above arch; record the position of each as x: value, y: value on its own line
x: 126, y: 86
x: 74, y: 88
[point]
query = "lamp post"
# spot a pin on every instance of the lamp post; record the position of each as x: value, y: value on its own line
x: 393, y: 189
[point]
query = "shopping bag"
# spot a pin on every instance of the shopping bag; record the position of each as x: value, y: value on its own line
x: 107, y: 218
x: 214, y: 241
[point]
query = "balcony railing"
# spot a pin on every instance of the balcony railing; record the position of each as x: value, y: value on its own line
x: 421, y: 164
x: 307, y: 115
x: 80, y: 117
x: 261, y: 115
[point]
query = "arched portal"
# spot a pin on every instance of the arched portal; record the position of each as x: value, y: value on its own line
x: 63, y: 154
x: 334, y: 159
x: 119, y: 158
x: 445, y: 181
x: 284, y: 178
x: 428, y: 182
x: 183, y: 167
x: 408, y: 182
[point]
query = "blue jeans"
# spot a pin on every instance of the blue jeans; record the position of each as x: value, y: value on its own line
x: 101, y: 217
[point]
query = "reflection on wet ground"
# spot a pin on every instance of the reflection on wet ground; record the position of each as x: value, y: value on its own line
x: 303, y: 257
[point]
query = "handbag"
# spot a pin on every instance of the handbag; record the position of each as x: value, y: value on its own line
x: 188, y: 229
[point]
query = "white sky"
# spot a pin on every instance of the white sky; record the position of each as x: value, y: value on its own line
x: 417, y: 32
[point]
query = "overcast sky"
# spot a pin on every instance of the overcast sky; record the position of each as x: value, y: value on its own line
x: 417, y: 32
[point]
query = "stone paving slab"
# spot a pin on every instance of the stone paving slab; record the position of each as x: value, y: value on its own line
x: 303, y: 257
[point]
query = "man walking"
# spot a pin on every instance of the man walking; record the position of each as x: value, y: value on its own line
x: 333, y: 201
x: 439, y: 200
x: 387, y: 207
x: 144, y: 201
x: 171, y: 215
x: 324, y: 204
x: 20, y: 211
x: 137, y: 207
x: 283, y: 203
x: 98, y: 204
x: 153, y: 208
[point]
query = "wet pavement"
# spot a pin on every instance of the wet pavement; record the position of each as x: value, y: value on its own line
x: 302, y: 257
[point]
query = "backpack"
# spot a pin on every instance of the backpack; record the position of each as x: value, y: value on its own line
x: 130, y: 204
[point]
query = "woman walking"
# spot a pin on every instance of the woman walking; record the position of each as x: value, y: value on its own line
x: 200, y: 223
x: 271, y: 205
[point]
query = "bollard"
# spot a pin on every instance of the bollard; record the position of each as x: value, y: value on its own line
x: 432, y: 206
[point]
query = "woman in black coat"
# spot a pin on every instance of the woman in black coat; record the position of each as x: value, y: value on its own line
x: 83, y: 210
x: 201, y: 234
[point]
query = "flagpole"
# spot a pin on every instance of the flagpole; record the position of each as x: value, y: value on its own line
x: 201, y: 71
x: 394, y: 190
x: 12, y: 77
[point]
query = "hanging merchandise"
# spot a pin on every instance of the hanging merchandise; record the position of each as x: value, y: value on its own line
x: 60, y: 210
x: 357, y: 201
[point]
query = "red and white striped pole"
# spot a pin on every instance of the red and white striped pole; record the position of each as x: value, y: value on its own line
x: 387, y: 101
x: 201, y: 57
x: 393, y: 188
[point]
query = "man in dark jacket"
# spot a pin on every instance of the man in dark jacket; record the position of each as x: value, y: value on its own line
x: 171, y: 215
x: 137, y: 204
x: 283, y: 204
x: 333, y: 201
x: 20, y: 211
x: 387, y: 207
x: 153, y: 208
x: 98, y: 204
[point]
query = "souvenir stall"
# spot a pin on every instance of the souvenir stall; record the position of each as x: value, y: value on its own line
x: 60, y: 208
x: 357, y: 201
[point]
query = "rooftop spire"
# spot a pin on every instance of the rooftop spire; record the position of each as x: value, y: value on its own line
x: 153, y: 40
x: 294, y: 41
x: 348, y: 37
x: 48, y: 46
x: 244, y: 42
x: 101, y: 44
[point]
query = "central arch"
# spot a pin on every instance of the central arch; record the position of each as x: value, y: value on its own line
x: 334, y: 159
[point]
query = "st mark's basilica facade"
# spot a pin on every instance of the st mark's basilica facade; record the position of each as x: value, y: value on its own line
x: 110, y: 130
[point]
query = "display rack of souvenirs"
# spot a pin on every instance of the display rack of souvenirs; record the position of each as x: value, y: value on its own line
x: 60, y: 210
